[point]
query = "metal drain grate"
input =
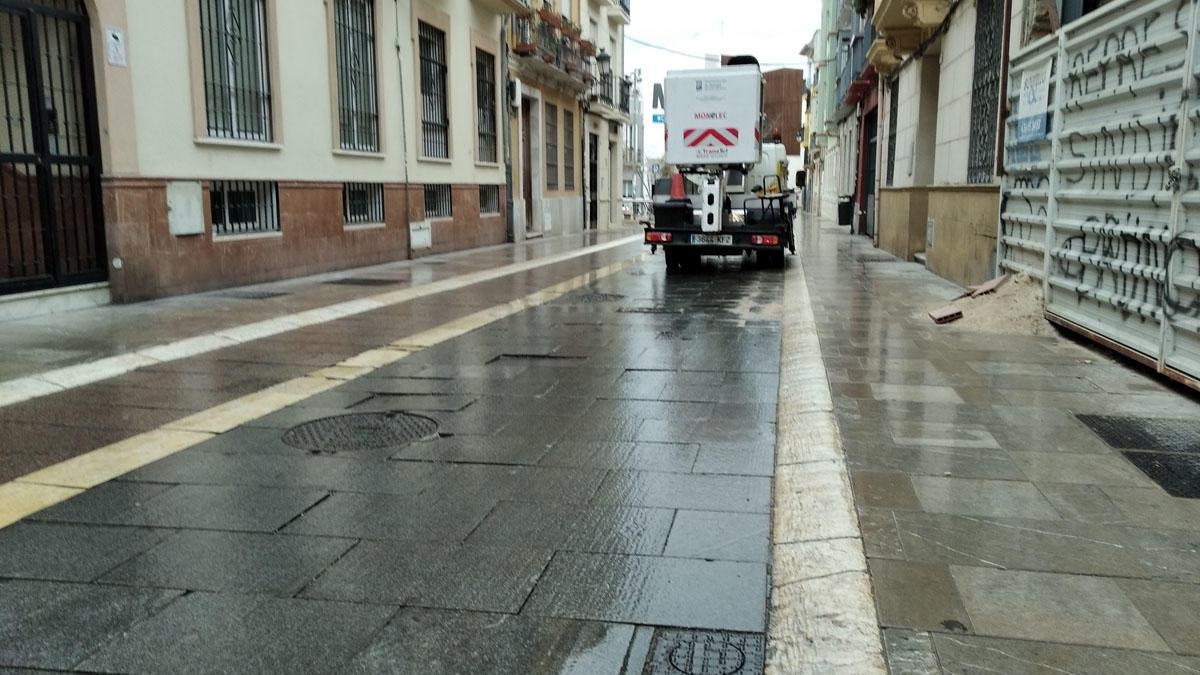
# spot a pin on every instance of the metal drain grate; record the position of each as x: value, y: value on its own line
x: 705, y: 653
x: 590, y: 298
x: 877, y: 259
x: 252, y: 295
x: 360, y: 431
x: 1146, y: 433
x: 364, y: 281
x: 649, y: 310
x: 1179, y: 475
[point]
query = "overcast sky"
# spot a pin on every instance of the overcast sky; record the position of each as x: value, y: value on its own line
x: 773, y: 30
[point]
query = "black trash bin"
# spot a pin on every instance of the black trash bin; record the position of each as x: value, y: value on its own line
x: 846, y: 210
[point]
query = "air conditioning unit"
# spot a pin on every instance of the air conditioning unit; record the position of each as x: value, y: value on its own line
x: 515, y: 93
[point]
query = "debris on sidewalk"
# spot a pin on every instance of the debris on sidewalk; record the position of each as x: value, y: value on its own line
x: 1008, y: 305
x: 946, y: 314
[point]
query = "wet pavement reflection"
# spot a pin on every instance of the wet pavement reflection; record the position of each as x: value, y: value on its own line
x: 600, y: 469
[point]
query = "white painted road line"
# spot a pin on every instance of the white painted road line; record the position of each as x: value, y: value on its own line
x: 822, y: 615
x: 53, y: 381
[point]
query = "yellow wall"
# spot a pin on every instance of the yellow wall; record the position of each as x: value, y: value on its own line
x: 964, y: 239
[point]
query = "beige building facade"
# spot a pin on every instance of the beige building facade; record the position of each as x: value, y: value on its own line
x: 186, y: 145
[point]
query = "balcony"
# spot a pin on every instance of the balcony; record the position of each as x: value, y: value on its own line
x: 855, y: 77
x: 547, y: 52
x: 609, y: 95
x: 905, y: 24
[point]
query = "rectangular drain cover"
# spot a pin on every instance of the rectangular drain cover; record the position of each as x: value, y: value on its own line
x: 696, y: 652
x: 252, y: 295
x: 1146, y: 433
x: 364, y: 281
x: 1179, y: 475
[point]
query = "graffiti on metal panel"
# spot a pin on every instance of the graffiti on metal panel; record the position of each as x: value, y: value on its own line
x: 1117, y: 256
x: 1183, y: 265
x: 1132, y: 151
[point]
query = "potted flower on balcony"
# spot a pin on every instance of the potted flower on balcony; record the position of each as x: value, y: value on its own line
x: 550, y: 15
x: 587, y: 47
x: 571, y: 29
x: 524, y: 42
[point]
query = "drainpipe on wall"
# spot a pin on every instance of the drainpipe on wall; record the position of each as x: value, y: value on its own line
x: 508, y: 118
x: 404, y: 125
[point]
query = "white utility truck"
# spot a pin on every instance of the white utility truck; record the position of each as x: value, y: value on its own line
x: 714, y: 133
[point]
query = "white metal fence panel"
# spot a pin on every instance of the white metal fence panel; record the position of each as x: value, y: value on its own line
x: 1026, y: 204
x: 1113, y: 189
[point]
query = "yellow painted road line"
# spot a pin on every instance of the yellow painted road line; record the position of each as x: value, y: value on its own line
x: 53, y: 381
x: 33, y: 492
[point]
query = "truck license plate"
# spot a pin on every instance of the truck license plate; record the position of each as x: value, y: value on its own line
x: 713, y: 239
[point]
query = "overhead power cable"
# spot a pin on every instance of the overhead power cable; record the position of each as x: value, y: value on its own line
x: 651, y: 45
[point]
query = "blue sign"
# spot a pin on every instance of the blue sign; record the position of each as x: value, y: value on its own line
x: 658, y: 118
x: 1031, y: 128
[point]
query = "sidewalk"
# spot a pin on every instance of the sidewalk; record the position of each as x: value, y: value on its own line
x: 44, y: 343
x: 48, y: 429
x: 1002, y: 533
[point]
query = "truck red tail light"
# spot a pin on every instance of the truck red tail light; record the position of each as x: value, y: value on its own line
x: 659, y: 237
x: 764, y: 240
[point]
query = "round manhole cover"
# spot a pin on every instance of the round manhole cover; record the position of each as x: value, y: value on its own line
x: 361, y: 431
x: 707, y: 657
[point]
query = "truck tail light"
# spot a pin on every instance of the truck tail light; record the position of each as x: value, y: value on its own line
x: 659, y: 237
x: 764, y: 240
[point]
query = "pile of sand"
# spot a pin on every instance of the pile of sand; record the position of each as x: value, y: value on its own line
x: 1013, y: 309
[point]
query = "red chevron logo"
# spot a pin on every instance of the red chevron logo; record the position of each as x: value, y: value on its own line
x: 695, y: 138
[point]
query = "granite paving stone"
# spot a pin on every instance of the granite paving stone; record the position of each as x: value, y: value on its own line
x: 66, y: 552
x: 595, y: 528
x: 718, y: 595
x: 667, y: 457
x: 975, y: 655
x: 717, y: 535
x: 750, y: 494
x: 481, y: 578
x: 206, y: 633
x: 415, y: 641
x: 370, y: 516
x: 1172, y: 609
x: 918, y: 596
x: 53, y: 626
x: 988, y: 498
x: 1065, y: 608
x: 270, y: 564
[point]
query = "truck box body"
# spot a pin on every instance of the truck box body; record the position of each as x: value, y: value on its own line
x: 713, y: 116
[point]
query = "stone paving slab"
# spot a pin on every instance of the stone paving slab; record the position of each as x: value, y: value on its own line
x: 1002, y: 534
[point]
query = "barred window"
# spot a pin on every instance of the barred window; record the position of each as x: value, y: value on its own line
x: 362, y: 203
x: 435, y: 120
x: 489, y: 199
x: 569, y: 149
x: 438, y: 201
x: 237, y: 86
x: 485, y: 99
x: 358, y: 109
x: 244, y: 207
x: 551, y: 146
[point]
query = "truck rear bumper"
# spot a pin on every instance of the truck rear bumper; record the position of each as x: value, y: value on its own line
x: 708, y: 243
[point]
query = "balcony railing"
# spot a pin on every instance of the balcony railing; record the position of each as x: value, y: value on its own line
x: 537, y: 39
x: 856, y: 60
x: 602, y: 88
x: 626, y: 89
x: 625, y: 6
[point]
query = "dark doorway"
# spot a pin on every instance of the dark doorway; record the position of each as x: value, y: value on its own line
x: 527, y: 160
x: 51, y: 224
x: 593, y: 180
x: 866, y: 224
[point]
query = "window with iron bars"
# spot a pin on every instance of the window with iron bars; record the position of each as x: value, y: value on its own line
x: 435, y: 120
x: 985, y: 92
x: 489, y: 199
x: 439, y: 202
x: 244, y: 207
x: 362, y: 203
x: 237, y: 83
x: 358, y: 108
x: 569, y: 149
x: 551, y: 146
x: 485, y: 100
